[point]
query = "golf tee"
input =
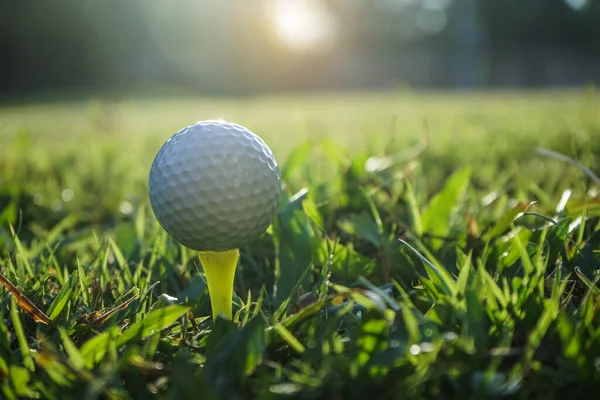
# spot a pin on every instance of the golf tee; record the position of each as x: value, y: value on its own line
x: 219, y: 268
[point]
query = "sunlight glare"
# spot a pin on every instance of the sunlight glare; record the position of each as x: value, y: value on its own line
x: 303, y: 24
x: 577, y: 5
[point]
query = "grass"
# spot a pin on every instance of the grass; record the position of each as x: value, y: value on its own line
x: 422, y: 249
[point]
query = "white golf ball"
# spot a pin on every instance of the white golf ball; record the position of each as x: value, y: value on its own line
x: 214, y: 186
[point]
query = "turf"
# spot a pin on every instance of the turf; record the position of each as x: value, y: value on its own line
x: 425, y: 247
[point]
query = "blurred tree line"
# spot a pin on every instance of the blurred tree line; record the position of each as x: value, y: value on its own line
x: 228, y: 46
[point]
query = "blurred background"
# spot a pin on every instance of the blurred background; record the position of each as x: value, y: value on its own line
x: 231, y: 47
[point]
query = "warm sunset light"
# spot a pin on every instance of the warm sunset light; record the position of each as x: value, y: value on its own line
x: 302, y: 24
x: 344, y: 199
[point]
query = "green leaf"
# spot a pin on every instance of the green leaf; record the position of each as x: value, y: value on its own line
x: 374, y: 212
x: 126, y: 274
x: 233, y: 354
x: 140, y: 221
x: 413, y: 210
x: 475, y: 325
x: 333, y: 150
x: 54, y: 234
x: 372, y: 340
x: 367, y: 300
x: 293, y: 242
x: 22, y: 256
x: 411, y: 324
x: 589, y: 206
x: 569, y: 336
x: 20, y: 333
x: 188, y: 381
x: 126, y: 239
x: 491, y: 286
x: 513, y: 252
x: 194, y: 290
x: 391, y: 303
x: 288, y: 337
x: 155, y: 321
x: 585, y: 258
x: 254, y: 343
x: 506, y: 221
x: 436, y: 220
x: 363, y: 227
x: 528, y: 267
x: 8, y: 216
x: 94, y: 350
x: 20, y: 379
x: 296, y: 160
x: 312, y: 212
x: 85, y: 285
x: 63, y: 297
x: 464, y: 273
x: 75, y: 357
x: 343, y: 260
x: 118, y: 254
x: 306, y: 312
x: 438, y: 275
x: 551, y: 310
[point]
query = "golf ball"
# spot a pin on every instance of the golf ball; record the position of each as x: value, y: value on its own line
x: 214, y: 186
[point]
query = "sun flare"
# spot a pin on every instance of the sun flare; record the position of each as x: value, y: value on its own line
x: 302, y: 24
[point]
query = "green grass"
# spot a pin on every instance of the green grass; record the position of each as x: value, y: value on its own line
x: 423, y: 249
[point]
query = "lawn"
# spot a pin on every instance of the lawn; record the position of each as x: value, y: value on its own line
x: 427, y: 245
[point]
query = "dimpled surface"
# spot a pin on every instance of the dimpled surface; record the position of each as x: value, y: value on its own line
x: 214, y: 185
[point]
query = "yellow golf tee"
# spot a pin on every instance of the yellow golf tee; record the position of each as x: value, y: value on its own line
x: 219, y: 268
